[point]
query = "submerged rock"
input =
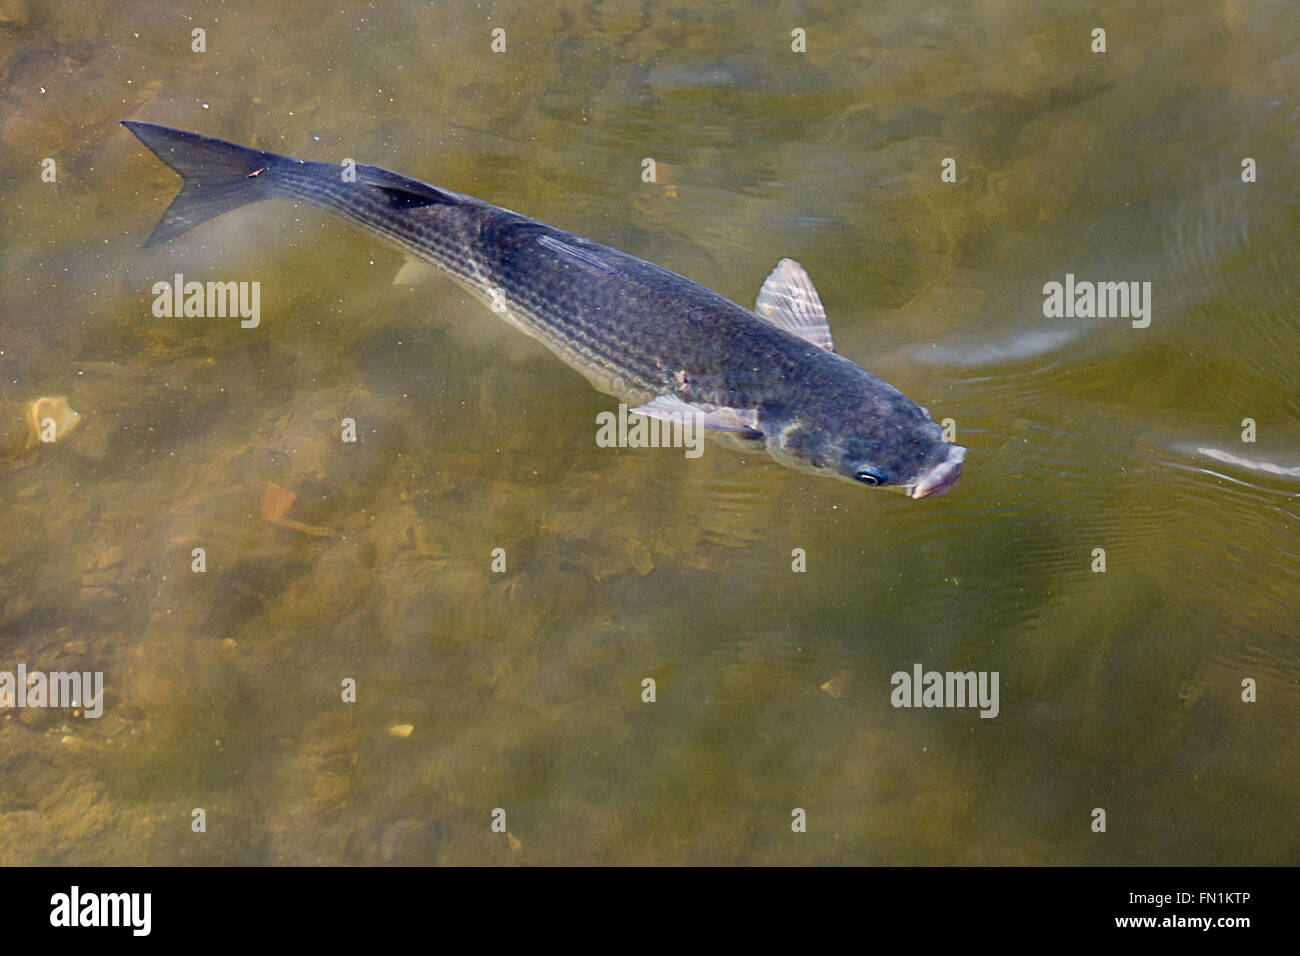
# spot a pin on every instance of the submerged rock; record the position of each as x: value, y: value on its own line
x: 50, y: 419
x: 42, y: 421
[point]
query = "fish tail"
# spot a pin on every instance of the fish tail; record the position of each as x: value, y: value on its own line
x: 219, y: 176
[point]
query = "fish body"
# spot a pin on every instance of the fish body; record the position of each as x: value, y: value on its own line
x: 655, y: 339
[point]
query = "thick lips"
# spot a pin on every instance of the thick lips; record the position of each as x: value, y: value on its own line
x: 942, y: 476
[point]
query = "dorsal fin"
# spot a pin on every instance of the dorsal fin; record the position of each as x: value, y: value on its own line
x: 789, y: 301
x: 402, y: 191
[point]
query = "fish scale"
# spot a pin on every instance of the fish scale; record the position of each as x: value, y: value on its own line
x: 633, y: 329
x: 618, y: 334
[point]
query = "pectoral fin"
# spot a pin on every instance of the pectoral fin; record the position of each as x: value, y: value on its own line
x: 672, y: 409
x: 575, y: 254
x: 789, y: 301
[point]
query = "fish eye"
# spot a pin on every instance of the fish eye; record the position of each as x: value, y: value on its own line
x: 870, y: 476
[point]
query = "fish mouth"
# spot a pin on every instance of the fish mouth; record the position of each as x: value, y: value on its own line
x: 942, y: 476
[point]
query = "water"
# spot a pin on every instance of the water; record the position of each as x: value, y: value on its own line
x: 1120, y: 690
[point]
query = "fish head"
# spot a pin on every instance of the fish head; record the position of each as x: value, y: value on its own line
x: 878, y: 438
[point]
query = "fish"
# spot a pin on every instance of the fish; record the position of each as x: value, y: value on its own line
x: 672, y: 349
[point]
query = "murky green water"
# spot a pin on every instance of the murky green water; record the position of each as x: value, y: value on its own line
x: 1119, y: 690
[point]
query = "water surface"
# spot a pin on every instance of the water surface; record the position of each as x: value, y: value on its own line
x: 1119, y: 690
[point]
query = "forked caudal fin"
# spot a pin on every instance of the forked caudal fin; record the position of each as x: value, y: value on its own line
x: 219, y: 176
